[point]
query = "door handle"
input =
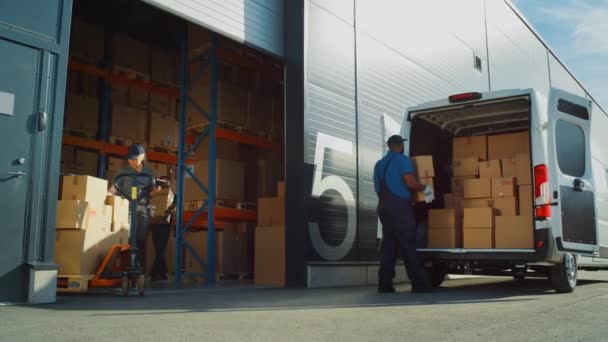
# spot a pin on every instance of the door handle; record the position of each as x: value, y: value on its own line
x: 579, y: 185
x: 17, y: 174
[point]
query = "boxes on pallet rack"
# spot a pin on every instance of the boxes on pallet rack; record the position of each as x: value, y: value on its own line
x: 131, y: 53
x: 86, y: 41
x: 129, y: 122
x: 229, y: 181
x: 270, y: 240
x: 163, y: 104
x: 198, y: 242
x: 68, y: 160
x: 164, y: 67
x: 163, y: 131
x: 259, y: 113
x: 81, y: 115
x: 86, y: 162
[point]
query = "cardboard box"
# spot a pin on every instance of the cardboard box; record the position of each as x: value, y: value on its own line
x: 453, y: 201
x: 270, y: 256
x: 164, y: 67
x: 466, y: 167
x: 524, y: 169
x: 508, y: 145
x: 230, y: 181
x: 458, y: 184
x: 158, y: 169
x: 259, y: 112
x: 467, y: 147
x: 514, y: 232
x: 419, y: 196
x: 163, y: 131
x: 424, y: 166
x: 442, y: 219
x: 80, y: 252
x: 478, y: 238
x: 224, y: 149
x: 235, y: 249
x: 232, y: 104
x: 504, y: 205
x: 476, y: 203
x: 442, y: 238
x: 82, y: 114
x: 131, y: 53
x: 504, y: 187
x: 269, y: 171
x: 129, y: 122
x: 86, y: 162
x: 490, y: 169
x: 526, y: 200
x: 509, y: 167
x: 163, y: 104
x: 79, y: 214
x: 281, y: 189
x: 271, y: 211
x: 86, y: 41
x: 161, y: 201
x: 114, y: 165
x: 479, y: 218
x: 120, y: 212
x: 198, y: 241
x: 477, y: 188
x: 84, y: 188
x: 68, y: 160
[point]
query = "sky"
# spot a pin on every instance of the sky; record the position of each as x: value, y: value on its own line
x: 577, y: 32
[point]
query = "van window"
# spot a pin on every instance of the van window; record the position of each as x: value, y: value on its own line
x: 570, y: 148
x: 573, y: 109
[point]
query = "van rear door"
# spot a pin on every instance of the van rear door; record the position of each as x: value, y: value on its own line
x: 569, y: 153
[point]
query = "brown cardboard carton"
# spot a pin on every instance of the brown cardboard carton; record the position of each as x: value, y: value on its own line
x: 84, y: 188
x: 270, y: 256
x: 424, y: 166
x: 466, y: 167
x: 525, y: 200
x: 269, y: 171
x: 508, y: 145
x: 476, y: 203
x: 281, y: 189
x: 442, y: 238
x: 514, y: 232
x: 467, y: 147
x: 129, y: 122
x: 161, y: 201
x: 80, y: 252
x: 131, y: 53
x: 120, y: 212
x: 271, y: 211
x: 477, y: 188
x: 230, y: 179
x: 164, y: 67
x: 479, y: 218
x: 442, y: 219
x: 86, y: 41
x: 86, y: 162
x: 490, y: 169
x: 232, y: 104
x: 419, y: 196
x: 504, y: 187
x: 509, y: 167
x: 198, y: 241
x: 453, y: 201
x: 458, y: 184
x: 478, y: 238
x: 524, y: 169
x: 163, y: 131
x: 504, y: 205
x: 78, y: 214
x: 163, y: 105
x: 82, y: 114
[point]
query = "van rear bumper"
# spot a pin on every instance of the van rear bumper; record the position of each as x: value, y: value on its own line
x: 503, y: 255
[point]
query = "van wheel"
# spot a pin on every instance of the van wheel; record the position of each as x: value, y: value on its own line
x: 564, y: 275
x: 436, y: 276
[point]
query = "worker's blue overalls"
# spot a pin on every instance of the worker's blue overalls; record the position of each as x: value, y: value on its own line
x: 398, y: 231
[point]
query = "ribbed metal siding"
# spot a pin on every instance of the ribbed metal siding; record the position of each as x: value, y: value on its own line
x: 517, y: 58
x: 330, y: 109
x: 256, y: 22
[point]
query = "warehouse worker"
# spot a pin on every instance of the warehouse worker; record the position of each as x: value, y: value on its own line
x: 160, y: 228
x: 136, y: 155
x: 394, y: 180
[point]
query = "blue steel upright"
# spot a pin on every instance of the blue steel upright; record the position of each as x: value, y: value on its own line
x: 205, y: 62
x: 105, y: 103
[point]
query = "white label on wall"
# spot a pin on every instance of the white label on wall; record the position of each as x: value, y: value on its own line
x: 7, y: 103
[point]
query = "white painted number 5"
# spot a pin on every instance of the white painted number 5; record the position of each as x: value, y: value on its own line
x: 332, y: 182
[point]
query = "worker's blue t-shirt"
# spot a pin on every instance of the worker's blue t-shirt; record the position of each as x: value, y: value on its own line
x: 399, y: 166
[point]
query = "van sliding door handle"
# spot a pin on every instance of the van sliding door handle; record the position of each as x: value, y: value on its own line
x: 579, y: 185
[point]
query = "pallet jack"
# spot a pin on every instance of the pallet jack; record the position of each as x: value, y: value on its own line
x: 122, y: 265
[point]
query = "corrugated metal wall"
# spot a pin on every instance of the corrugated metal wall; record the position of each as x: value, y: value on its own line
x: 255, y: 22
x: 407, y: 53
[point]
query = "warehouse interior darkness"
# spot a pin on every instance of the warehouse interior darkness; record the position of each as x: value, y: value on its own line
x: 124, y: 87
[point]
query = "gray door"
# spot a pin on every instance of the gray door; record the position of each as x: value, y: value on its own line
x: 19, y: 85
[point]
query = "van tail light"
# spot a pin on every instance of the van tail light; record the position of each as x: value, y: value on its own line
x: 542, y: 196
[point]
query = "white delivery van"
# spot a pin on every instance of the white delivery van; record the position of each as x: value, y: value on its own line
x: 568, y: 163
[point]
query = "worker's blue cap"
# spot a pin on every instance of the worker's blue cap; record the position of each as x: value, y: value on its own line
x: 135, y: 151
x: 395, y: 140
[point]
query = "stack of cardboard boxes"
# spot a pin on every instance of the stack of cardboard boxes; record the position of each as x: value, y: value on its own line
x: 426, y: 174
x: 270, y: 240
x: 491, y: 199
x: 87, y: 224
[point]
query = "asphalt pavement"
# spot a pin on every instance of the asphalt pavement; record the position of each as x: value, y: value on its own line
x: 478, y: 309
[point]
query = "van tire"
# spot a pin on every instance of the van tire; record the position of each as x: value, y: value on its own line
x: 564, y: 275
x: 436, y: 276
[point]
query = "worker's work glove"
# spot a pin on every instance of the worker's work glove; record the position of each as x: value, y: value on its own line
x: 429, y: 195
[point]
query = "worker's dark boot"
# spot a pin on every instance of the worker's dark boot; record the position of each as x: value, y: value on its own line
x: 386, y: 289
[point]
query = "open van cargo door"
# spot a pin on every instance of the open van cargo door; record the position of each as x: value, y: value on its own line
x: 569, y: 153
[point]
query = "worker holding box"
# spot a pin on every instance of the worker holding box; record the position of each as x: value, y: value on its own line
x: 136, y: 155
x: 394, y: 180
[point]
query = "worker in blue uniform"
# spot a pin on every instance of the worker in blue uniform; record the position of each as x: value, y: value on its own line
x: 395, y: 180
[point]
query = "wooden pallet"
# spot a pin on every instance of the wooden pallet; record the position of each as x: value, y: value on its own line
x: 131, y: 73
x: 247, y: 205
x: 73, y: 283
x: 194, y: 205
x: 78, y: 133
x: 235, y: 276
x: 163, y: 149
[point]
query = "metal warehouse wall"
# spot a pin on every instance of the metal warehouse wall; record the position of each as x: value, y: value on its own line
x: 255, y: 22
x: 366, y: 62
